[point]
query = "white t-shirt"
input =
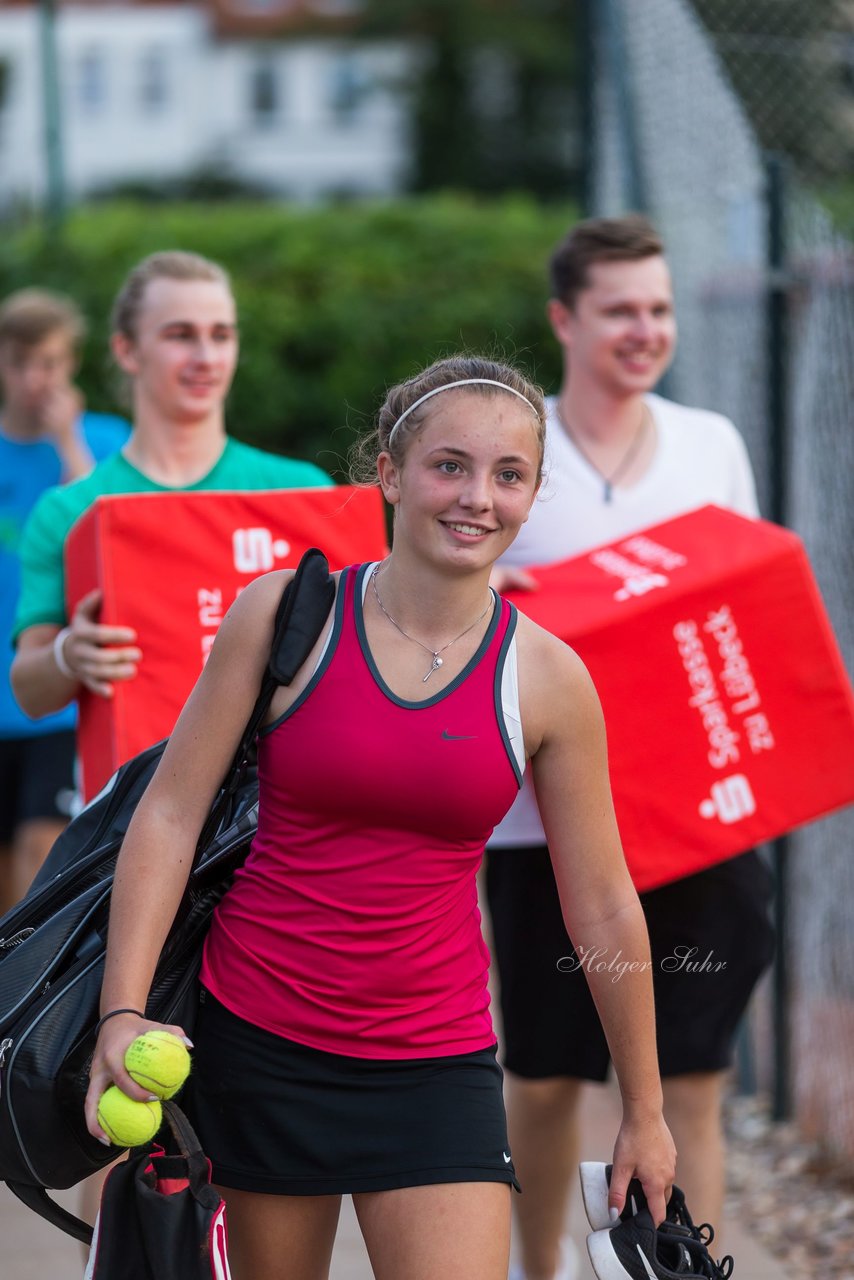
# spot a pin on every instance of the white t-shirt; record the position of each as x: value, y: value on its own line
x: 699, y: 458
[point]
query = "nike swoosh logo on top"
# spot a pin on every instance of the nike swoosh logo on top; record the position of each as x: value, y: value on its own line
x: 506, y: 1157
x: 647, y: 1268
x: 458, y: 737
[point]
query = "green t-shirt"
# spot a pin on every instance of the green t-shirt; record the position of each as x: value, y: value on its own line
x: 42, y: 598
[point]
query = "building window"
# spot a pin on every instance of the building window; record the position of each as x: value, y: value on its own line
x: 153, y: 79
x: 847, y: 49
x: 92, y: 80
x: 348, y: 88
x: 264, y: 93
x: 278, y: 7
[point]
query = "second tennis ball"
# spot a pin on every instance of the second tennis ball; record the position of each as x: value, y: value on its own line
x: 125, y: 1122
x: 159, y: 1062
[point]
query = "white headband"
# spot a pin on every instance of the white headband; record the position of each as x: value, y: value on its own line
x: 463, y: 382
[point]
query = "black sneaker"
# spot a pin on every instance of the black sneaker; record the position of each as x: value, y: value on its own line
x: 635, y: 1250
x: 595, y: 1185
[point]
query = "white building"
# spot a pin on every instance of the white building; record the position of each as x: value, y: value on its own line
x: 151, y: 91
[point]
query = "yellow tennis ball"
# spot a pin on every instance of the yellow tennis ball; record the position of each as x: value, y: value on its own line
x: 159, y: 1062
x: 128, y: 1123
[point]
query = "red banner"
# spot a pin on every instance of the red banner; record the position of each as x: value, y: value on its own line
x: 730, y: 716
x: 170, y: 565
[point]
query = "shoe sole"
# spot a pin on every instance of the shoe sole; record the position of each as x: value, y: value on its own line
x: 594, y: 1193
x: 603, y: 1259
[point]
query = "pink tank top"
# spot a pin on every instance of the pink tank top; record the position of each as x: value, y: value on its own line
x: 353, y: 926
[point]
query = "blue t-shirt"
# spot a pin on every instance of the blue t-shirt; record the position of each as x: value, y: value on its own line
x: 26, y: 470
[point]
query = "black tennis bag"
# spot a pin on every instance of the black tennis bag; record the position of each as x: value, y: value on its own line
x: 53, y: 943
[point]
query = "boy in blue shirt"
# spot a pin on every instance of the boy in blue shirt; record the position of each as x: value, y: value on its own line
x: 46, y: 438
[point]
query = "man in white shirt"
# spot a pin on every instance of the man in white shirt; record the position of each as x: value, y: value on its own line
x: 618, y: 458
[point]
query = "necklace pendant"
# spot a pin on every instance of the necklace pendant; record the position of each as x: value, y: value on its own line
x: 437, y: 663
x: 608, y: 491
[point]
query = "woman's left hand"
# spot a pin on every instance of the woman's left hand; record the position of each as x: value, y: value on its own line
x: 108, y: 1063
x: 644, y: 1150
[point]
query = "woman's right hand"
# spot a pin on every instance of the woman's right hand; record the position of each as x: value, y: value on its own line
x: 644, y: 1150
x: 108, y: 1063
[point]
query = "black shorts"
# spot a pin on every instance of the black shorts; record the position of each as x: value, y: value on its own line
x: 36, y: 779
x: 279, y: 1118
x: 710, y: 937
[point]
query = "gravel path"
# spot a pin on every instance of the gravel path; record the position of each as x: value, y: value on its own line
x: 801, y: 1208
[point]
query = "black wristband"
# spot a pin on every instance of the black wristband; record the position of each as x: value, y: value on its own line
x: 114, y: 1013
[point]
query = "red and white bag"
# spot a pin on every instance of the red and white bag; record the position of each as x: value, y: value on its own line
x: 160, y: 1217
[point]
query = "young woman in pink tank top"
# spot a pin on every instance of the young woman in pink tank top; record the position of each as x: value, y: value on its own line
x: 343, y: 1043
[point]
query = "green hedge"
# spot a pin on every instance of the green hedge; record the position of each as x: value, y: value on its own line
x: 335, y: 302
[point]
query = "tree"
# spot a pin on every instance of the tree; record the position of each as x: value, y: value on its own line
x: 492, y: 94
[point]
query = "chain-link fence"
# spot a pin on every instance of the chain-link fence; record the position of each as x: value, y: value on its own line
x: 732, y: 123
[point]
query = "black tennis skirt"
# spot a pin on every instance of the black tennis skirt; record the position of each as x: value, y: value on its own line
x: 280, y: 1118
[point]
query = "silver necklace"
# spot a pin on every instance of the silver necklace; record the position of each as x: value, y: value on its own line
x: 435, y: 653
x: 609, y: 480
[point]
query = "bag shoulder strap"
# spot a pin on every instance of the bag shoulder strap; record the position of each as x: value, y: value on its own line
x: 37, y: 1199
x: 300, y: 618
x: 301, y: 615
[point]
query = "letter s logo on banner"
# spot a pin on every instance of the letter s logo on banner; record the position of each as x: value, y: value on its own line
x: 731, y: 799
x: 639, y: 585
x: 256, y: 551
